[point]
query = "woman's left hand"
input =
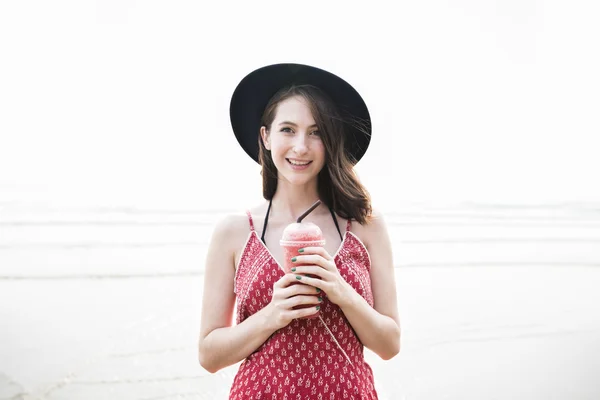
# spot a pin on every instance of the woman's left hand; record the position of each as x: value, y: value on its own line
x: 318, y: 262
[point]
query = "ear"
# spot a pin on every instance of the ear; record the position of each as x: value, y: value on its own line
x: 266, y: 138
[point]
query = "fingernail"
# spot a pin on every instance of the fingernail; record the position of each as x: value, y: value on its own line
x: 318, y: 291
x: 293, y: 269
x: 318, y: 308
x: 294, y: 259
x: 298, y: 277
x: 320, y: 299
x: 300, y: 250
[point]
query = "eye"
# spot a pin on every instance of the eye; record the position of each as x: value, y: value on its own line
x: 316, y: 133
x: 286, y: 129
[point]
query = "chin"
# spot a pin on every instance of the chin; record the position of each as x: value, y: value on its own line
x: 298, y: 179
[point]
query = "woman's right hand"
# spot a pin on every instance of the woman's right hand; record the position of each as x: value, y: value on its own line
x: 287, y: 295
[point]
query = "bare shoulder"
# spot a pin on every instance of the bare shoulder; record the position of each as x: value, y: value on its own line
x: 230, y: 229
x: 377, y: 221
x: 374, y: 230
x: 229, y: 232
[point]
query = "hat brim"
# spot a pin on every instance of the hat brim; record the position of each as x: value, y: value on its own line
x: 252, y: 94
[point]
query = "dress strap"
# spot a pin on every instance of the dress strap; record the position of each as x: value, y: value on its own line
x: 348, y: 225
x: 336, y: 222
x: 266, y: 221
x: 269, y: 212
x: 250, y: 221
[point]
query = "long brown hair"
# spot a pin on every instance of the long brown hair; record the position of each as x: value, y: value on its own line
x: 338, y: 185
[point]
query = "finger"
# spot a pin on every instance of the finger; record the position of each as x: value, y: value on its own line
x: 316, y: 250
x: 305, y: 312
x: 314, y: 282
x: 280, y: 282
x: 315, y: 259
x: 295, y: 290
x: 302, y: 300
x: 301, y: 312
x: 285, y: 281
x: 313, y: 270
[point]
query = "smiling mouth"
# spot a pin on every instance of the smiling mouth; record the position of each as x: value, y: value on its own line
x: 298, y: 163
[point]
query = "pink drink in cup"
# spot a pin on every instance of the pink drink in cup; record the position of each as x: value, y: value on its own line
x: 296, y: 236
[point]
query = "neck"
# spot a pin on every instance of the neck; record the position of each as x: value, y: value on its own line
x: 290, y: 201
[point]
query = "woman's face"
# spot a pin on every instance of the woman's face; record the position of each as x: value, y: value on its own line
x: 295, y: 142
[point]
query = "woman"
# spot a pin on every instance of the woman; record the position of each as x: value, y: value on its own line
x: 307, y: 128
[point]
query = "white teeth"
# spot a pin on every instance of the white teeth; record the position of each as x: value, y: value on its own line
x: 298, y: 162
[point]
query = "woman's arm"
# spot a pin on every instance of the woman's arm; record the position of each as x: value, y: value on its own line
x: 377, y: 327
x: 222, y: 344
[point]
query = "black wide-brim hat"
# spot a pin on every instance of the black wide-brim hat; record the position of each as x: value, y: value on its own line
x: 252, y: 94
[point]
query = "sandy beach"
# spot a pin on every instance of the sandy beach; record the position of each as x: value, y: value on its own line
x: 90, y: 308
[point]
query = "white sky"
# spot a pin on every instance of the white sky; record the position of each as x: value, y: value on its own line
x: 125, y: 103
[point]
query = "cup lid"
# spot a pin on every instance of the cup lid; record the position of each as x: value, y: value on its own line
x: 305, y: 243
x: 302, y: 231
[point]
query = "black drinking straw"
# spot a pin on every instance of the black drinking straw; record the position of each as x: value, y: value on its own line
x: 300, y: 218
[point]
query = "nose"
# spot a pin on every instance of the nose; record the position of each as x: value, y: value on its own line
x: 301, y: 144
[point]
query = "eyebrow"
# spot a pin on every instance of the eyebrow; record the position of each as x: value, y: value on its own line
x: 293, y: 124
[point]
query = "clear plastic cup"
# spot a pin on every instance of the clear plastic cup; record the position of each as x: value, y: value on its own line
x: 296, y: 236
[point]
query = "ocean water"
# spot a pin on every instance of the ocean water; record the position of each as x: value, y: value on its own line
x: 41, y: 241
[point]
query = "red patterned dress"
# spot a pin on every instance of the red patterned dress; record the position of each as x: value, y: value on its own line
x: 319, y: 358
